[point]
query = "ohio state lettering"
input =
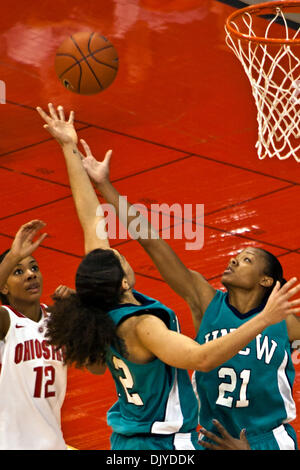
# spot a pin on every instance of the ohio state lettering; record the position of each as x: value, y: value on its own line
x: 35, y: 349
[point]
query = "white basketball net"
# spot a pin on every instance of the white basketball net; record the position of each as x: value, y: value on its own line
x: 274, y: 74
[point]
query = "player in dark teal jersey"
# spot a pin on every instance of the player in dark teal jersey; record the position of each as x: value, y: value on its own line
x: 96, y: 332
x: 253, y: 390
x: 106, y: 323
x: 154, y: 400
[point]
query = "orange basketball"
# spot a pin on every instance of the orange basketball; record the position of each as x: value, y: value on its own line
x: 86, y: 63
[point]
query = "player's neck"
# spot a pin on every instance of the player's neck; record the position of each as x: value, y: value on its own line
x: 244, y: 300
x: 128, y: 298
x: 30, y: 310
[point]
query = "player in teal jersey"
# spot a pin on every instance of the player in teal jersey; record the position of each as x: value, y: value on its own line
x: 139, y: 341
x: 105, y: 324
x: 253, y: 390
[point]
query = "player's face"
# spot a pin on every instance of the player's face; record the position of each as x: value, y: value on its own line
x: 245, y: 270
x: 128, y: 271
x: 25, y: 282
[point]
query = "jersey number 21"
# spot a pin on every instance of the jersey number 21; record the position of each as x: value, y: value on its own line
x: 230, y: 387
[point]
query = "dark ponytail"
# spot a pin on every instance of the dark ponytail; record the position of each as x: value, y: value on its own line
x: 3, y: 298
x: 80, y: 323
x: 273, y: 269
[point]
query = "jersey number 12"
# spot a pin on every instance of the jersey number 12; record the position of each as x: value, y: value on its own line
x: 46, y: 375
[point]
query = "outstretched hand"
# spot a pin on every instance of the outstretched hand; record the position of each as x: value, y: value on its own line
x: 63, y: 131
x: 97, y: 171
x: 226, y: 441
x: 279, y: 305
x: 23, y: 244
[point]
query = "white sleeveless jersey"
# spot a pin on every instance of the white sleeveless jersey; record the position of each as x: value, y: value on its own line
x: 32, y: 387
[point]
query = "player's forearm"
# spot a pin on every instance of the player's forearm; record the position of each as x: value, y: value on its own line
x: 217, y: 352
x: 171, y: 268
x: 85, y: 198
x: 125, y: 211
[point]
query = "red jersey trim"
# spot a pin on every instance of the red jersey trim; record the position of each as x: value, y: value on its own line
x: 15, y: 311
x: 19, y: 314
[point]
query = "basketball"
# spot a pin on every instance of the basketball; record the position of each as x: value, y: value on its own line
x: 86, y: 63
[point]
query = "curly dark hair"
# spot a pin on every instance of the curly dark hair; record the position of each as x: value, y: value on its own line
x: 80, y: 324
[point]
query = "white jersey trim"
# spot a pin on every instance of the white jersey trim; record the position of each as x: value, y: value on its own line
x: 174, y: 417
x: 183, y: 441
x: 283, y: 439
x: 285, y: 391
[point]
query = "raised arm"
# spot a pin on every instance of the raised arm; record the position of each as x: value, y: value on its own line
x: 187, y: 283
x: 86, y: 202
x: 22, y: 246
x: 180, y: 351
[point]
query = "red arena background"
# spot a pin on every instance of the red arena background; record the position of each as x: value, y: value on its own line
x: 181, y: 121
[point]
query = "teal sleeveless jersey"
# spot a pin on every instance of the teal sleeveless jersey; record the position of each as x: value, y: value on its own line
x: 253, y: 390
x: 153, y: 397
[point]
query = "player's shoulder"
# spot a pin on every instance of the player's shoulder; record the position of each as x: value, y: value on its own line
x: 4, y: 312
x: 204, y: 292
x: 148, y: 321
x: 4, y: 322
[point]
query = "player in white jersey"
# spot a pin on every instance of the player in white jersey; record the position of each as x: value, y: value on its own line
x: 32, y: 374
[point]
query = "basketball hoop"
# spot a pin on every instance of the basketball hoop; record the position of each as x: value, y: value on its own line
x: 269, y: 51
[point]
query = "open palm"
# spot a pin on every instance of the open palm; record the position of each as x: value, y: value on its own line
x: 24, y: 244
x: 63, y: 131
x: 97, y: 171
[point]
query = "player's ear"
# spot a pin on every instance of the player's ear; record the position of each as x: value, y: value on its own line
x: 267, y: 281
x: 4, y: 290
x: 125, y: 286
